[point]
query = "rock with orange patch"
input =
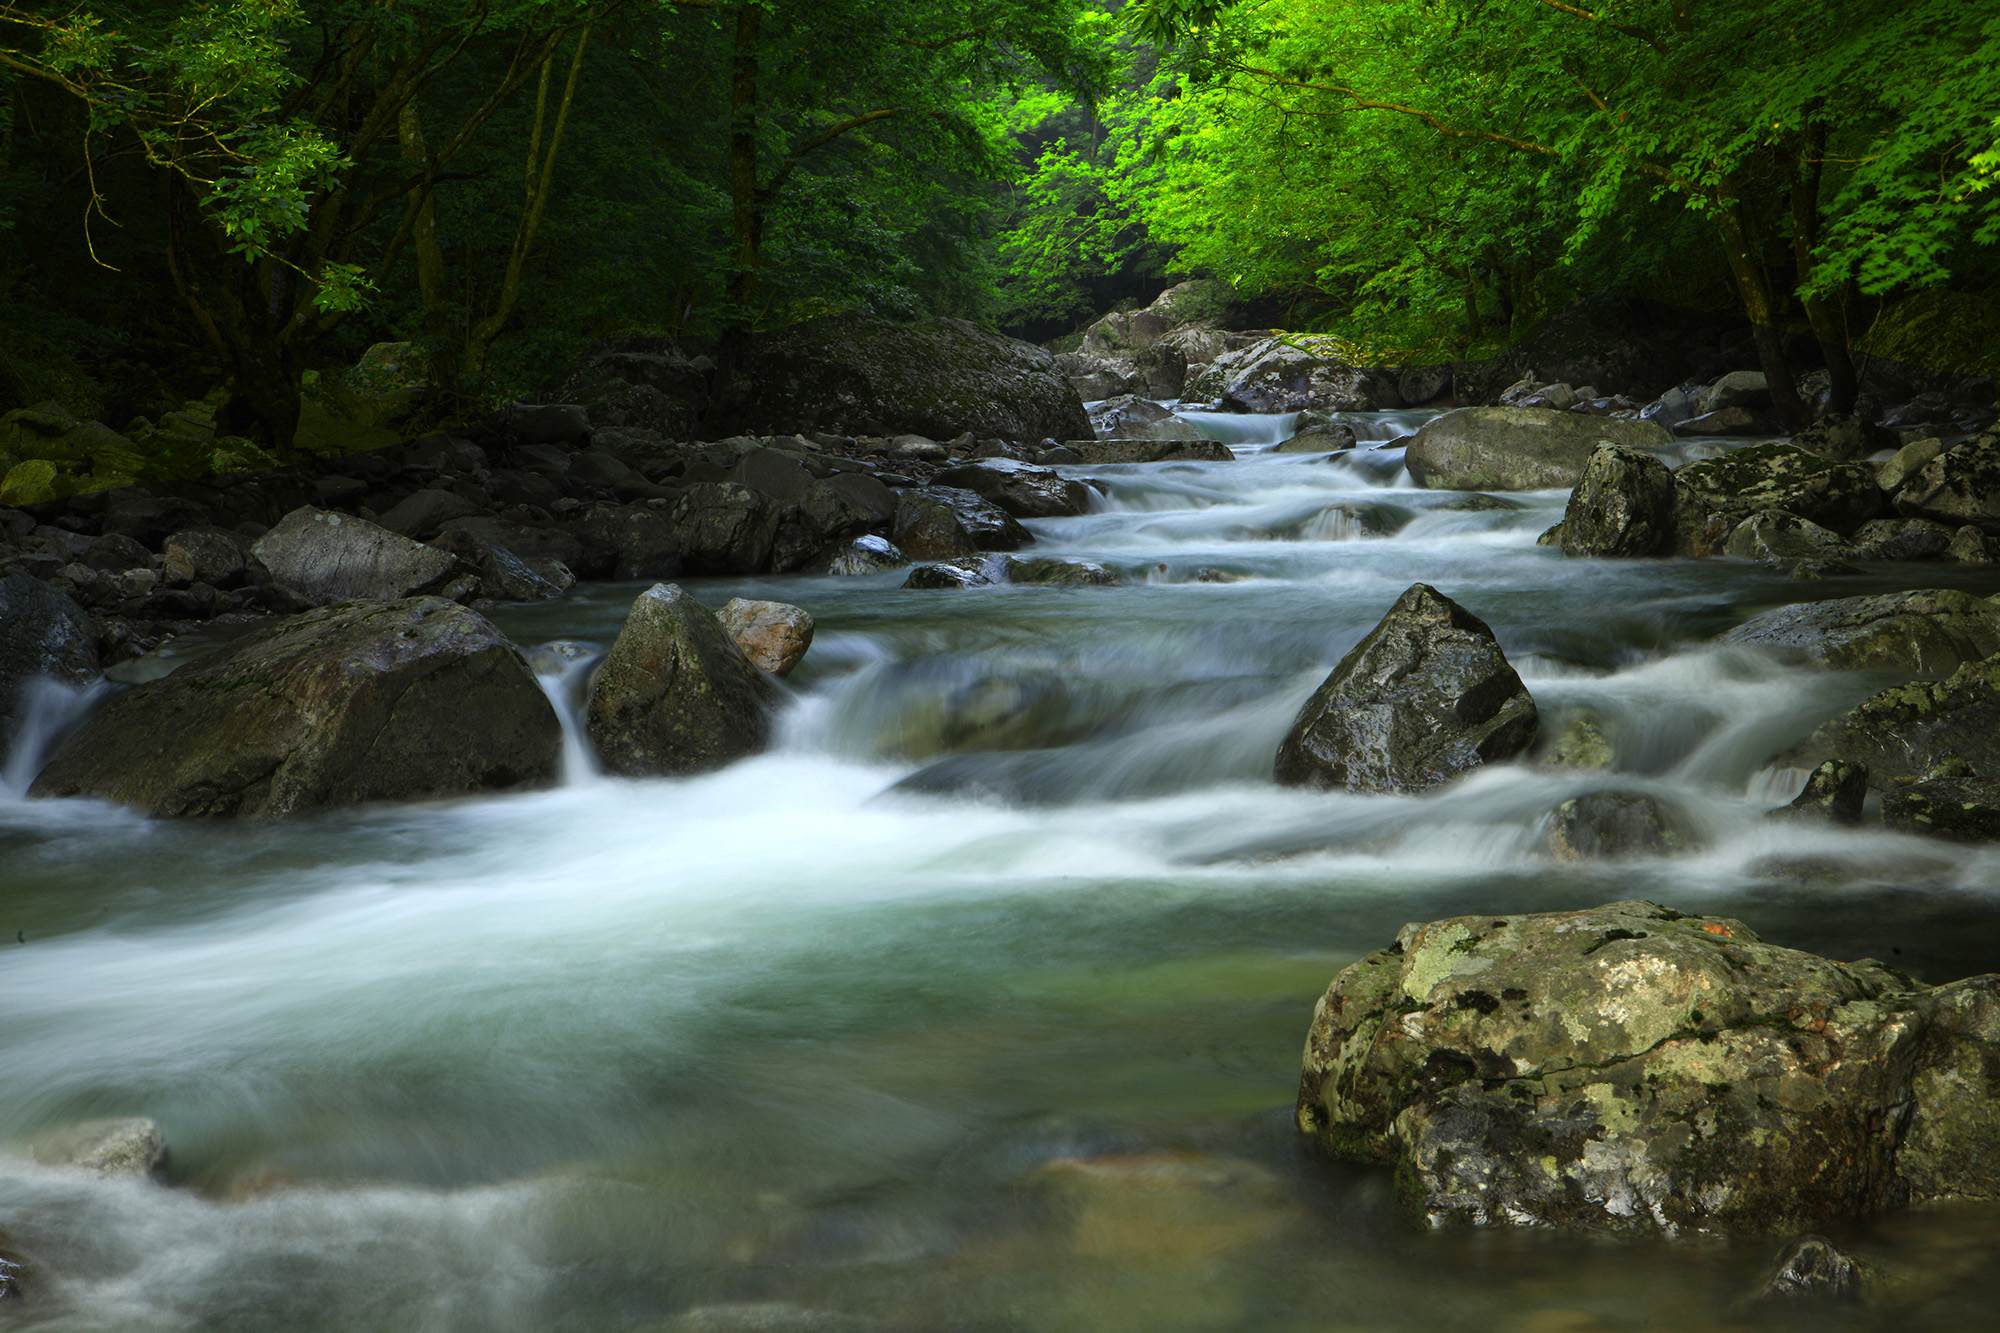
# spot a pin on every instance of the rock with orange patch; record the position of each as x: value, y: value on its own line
x: 1633, y: 1069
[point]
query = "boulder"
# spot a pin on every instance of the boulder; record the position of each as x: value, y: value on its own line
x: 326, y: 557
x: 43, y: 634
x: 149, y: 519
x: 1902, y: 539
x: 773, y: 635
x: 1812, y: 1270
x: 1320, y: 437
x: 1609, y: 824
x: 1961, y: 808
x: 1276, y: 375
x: 215, y: 556
x: 1053, y: 573
x: 1841, y: 436
x: 128, y: 1149
x: 1905, y: 732
x: 675, y: 693
x: 724, y: 527
x: 852, y: 374
x: 503, y: 575
x: 1632, y: 1069
x: 951, y: 575
x: 1960, y: 486
x: 1150, y: 451
x: 420, y: 514
x: 1908, y: 461
x: 1021, y: 490
x: 1713, y: 495
x: 1727, y: 421
x: 1777, y: 537
x: 1517, y: 448
x: 1623, y: 505
x: 1739, y: 388
x: 863, y: 555
x: 939, y: 522
x: 1418, y: 385
x: 1835, y: 793
x: 1427, y: 696
x: 1131, y: 418
x: 1969, y: 546
x: 381, y: 701
x: 1931, y: 630
x: 643, y: 544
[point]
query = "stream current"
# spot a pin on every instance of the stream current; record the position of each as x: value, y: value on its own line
x: 976, y: 1003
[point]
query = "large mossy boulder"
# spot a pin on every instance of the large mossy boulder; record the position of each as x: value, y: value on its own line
x: 1958, y: 486
x: 1518, y: 448
x: 1277, y: 375
x: 44, y: 634
x: 676, y: 694
x: 383, y: 701
x: 1631, y: 1069
x: 1623, y: 505
x: 1906, y: 732
x: 1931, y: 630
x: 326, y: 557
x: 856, y: 375
x: 1713, y: 495
x: 1427, y: 696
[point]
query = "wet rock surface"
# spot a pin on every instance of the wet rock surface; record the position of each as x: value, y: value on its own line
x: 328, y: 557
x: 675, y: 694
x: 1904, y: 733
x: 43, y: 633
x: 128, y: 1149
x: 1623, y: 505
x: 773, y: 635
x: 1930, y: 630
x: 355, y: 702
x: 1716, y: 494
x: 1632, y: 1069
x: 1517, y: 448
x: 1424, y: 698
x: 939, y: 522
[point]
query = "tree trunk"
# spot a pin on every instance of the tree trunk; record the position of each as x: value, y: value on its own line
x: 1753, y: 286
x: 424, y: 230
x: 1827, y: 325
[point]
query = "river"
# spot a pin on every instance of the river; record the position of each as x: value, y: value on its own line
x: 976, y: 1003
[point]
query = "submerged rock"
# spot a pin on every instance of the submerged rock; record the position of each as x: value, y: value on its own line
x: 1810, y: 1269
x: 327, y: 557
x: 1623, y: 505
x: 382, y: 701
x: 131, y: 1149
x: 1051, y: 572
x: 774, y: 635
x: 1633, y: 1069
x: 1608, y: 824
x: 1931, y: 630
x: 1427, y: 696
x: 1517, y: 448
x: 675, y: 693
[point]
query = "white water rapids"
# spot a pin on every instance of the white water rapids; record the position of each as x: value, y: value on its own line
x: 1014, y: 886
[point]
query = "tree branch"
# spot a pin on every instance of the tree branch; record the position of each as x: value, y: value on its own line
x: 1636, y: 33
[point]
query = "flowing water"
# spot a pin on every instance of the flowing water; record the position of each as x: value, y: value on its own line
x: 975, y: 1004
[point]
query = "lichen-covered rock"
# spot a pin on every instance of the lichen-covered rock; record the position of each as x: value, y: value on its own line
x: 855, y: 375
x: 1835, y: 792
x: 1427, y: 696
x: 1151, y: 451
x: 129, y: 1149
x: 1841, y: 436
x: 940, y: 522
x: 1278, y: 376
x: 1960, y: 486
x: 1050, y: 572
x: 1909, y: 460
x: 1623, y: 505
x: 1517, y: 448
x: 1964, y: 809
x: 1907, y: 731
x: 1713, y: 495
x: 1634, y: 1069
x: 675, y: 693
x: 1021, y: 490
x: 327, y: 557
x: 381, y: 701
x: 1932, y: 630
x: 1777, y: 537
x: 774, y: 635
x: 43, y: 633
x: 1902, y: 539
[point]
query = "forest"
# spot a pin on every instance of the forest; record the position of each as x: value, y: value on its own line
x: 234, y: 194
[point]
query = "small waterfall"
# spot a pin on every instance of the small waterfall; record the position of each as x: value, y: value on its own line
x: 1244, y: 430
x: 563, y: 669
x: 49, y: 710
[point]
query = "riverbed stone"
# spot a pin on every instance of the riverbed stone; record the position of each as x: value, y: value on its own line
x: 940, y: 522
x: 1930, y: 630
x: 1905, y: 732
x: 675, y: 694
x: 863, y: 555
x: 118, y: 1149
x: 1907, y: 462
x: 1713, y: 495
x: 1962, y: 808
x: 1054, y: 573
x: 1633, y: 1069
x: 355, y: 702
x: 43, y: 633
x: 950, y: 575
x: 1425, y: 697
x: 725, y: 527
x: 211, y: 555
x: 1019, y: 489
x: 1623, y: 505
x: 1779, y: 537
x: 1902, y: 539
x: 1517, y: 448
x: 1835, y: 793
x: 1960, y: 486
x: 1276, y: 375
x: 774, y: 635
x: 1150, y: 451
x: 1603, y: 825
x: 326, y: 557
x: 1127, y: 417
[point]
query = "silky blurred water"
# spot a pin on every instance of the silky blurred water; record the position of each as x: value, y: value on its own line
x: 825, y: 1033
